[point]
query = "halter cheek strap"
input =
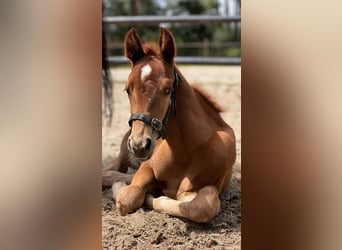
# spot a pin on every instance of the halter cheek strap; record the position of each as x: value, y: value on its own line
x: 155, y: 123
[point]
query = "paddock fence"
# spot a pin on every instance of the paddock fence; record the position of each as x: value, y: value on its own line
x: 191, y: 19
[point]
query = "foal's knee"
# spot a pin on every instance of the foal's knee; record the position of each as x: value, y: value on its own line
x: 204, y: 207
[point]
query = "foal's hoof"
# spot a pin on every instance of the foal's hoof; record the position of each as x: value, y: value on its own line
x: 122, y: 208
x: 129, y: 199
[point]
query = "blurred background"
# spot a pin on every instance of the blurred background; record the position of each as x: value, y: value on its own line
x: 51, y: 126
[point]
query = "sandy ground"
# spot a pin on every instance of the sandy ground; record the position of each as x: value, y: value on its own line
x: 146, y: 229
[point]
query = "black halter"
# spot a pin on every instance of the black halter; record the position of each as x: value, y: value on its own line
x: 155, y: 123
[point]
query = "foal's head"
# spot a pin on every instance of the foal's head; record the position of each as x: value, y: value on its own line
x: 150, y: 89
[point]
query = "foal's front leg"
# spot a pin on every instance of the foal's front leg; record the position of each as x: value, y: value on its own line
x: 131, y: 197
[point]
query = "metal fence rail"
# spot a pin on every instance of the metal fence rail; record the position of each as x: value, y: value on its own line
x: 230, y: 44
x: 193, y: 19
x: 199, y: 19
x: 115, y: 60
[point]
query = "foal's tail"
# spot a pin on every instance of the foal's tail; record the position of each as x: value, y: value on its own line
x: 209, y: 99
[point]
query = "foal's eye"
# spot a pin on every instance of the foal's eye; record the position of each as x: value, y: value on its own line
x: 127, y: 91
x: 167, y: 91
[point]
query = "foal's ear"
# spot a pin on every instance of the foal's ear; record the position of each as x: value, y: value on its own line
x: 133, y: 48
x: 167, y: 45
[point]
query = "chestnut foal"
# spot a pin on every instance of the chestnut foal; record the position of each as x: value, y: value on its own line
x: 184, y: 148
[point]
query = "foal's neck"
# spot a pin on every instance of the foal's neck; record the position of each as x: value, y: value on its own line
x: 187, y: 127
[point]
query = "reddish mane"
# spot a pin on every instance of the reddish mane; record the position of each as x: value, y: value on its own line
x: 152, y: 49
x: 208, y: 98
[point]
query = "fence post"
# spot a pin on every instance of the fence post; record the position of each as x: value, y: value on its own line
x: 205, y: 47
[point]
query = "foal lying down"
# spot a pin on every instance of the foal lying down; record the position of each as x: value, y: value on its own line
x: 183, y: 149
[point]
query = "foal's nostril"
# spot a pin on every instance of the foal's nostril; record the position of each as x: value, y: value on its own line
x: 140, y: 147
x: 148, y: 144
x: 129, y: 147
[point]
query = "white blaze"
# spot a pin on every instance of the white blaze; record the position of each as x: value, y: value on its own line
x: 145, y: 71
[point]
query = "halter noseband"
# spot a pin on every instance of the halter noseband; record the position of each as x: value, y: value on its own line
x: 155, y: 123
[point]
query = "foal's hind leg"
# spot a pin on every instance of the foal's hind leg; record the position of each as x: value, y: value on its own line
x: 115, y: 170
x: 110, y: 177
x: 199, y: 207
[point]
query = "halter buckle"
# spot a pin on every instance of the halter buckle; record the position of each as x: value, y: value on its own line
x: 156, y: 124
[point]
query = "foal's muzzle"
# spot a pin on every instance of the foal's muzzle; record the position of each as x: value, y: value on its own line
x: 141, y: 147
